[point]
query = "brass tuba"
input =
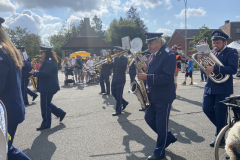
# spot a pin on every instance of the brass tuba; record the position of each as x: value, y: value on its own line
x: 204, y: 57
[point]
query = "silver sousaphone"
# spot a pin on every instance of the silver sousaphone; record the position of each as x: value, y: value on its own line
x: 139, y: 88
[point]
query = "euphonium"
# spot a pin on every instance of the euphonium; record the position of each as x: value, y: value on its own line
x: 205, y: 58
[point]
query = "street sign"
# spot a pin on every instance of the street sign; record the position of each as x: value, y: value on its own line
x: 179, y: 47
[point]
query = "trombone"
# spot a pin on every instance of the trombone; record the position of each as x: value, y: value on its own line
x: 108, y: 59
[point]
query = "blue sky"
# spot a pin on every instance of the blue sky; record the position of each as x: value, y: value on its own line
x: 45, y: 17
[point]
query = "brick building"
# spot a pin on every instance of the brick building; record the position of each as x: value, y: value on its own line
x: 178, y: 36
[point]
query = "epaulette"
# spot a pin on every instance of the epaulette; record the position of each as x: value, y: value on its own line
x: 167, y: 50
x: 1, y: 46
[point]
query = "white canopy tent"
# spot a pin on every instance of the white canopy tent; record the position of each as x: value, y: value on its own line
x: 235, y: 45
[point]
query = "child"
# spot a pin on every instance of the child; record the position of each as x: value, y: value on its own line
x: 189, y: 70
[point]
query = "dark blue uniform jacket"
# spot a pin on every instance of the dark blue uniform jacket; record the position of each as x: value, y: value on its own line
x: 27, y: 67
x: 119, y: 68
x: 47, y: 77
x: 10, y: 89
x: 132, y: 69
x: 106, y: 71
x: 229, y: 58
x: 160, y: 77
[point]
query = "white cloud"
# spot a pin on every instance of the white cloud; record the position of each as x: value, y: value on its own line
x: 6, y: 6
x: 72, y: 5
x: 237, y: 16
x: 147, y: 3
x: 145, y: 21
x: 33, y: 22
x: 168, y: 22
x: 168, y: 4
x: 182, y: 25
x: 50, y: 18
x: 192, y: 12
x: 165, y: 31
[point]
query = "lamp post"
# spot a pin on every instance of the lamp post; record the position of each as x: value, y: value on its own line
x: 185, y: 2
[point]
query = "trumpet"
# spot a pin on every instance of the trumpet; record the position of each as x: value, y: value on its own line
x: 108, y: 59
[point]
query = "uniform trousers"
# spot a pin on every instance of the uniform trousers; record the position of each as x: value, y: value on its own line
x: 117, y: 92
x: 14, y: 153
x: 203, y: 73
x: 26, y: 90
x: 104, y: 78
x: 217, y: 113
x: 157, y: 117
x: 47, y: 107
x: 132, y: 77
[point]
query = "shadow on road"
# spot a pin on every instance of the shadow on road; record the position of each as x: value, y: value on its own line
x: 108, y: 100
x: 184, y: 134
x: 189, y: 101
x: 42, y: 148
x: 135, y: 133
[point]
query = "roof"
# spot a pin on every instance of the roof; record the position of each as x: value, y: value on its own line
x: 86, y: 42
x: 191, y: 32
x: 86, y: 38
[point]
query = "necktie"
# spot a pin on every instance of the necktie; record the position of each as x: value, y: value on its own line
x: 153, y: 56
x: 216, y: 54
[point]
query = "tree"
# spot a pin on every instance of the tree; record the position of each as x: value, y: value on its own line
x: 131, y: 26
x: 97, y: 25
x: 205, y: 32
x: 22, y: 38
x: 167, y: 38
x: 63, y: 36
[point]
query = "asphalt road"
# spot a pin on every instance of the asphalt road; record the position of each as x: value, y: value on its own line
x: 89, y: 131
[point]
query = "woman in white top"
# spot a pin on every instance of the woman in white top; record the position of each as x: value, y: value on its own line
x: 90, y: 61
x: 86, y: 68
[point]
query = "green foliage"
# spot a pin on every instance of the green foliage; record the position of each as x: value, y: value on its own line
x: 205, y: 32
x: 97, y: 25
x: 167, y: 38
x: 22, y: 38
x: 63, y: 36
x: 131, y: 26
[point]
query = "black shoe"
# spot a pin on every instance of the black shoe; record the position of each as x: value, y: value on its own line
x: 141, y: 109
x: 101, y: 92
x: 115, y: 114
x: 106, y: 93
x: 26, y: 103
x: 34, y: 97
x: 155, y: 157
x: 172, y: 141
x: 222, y: 143
x: 124, y: 106
x: 41, y: 128
x: 61, y: 118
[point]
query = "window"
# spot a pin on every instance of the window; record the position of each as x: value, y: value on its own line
x: 237, y: 30
x: 67, y: 53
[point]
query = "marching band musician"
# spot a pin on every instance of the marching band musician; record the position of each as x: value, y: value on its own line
x: 48, y: 85
x: 132, y: 70
x: 215, y: 92
x: 10, y: 90
x: 119, y: 66
x: 27, y: 67
x: 160, y: 84
x: 104, y: 77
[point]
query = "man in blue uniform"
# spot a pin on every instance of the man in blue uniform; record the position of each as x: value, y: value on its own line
x: 160, y: 84
x: 132, y: 71
x: 27, y: 67
x: 215, y: 92
x: 10, y: 90
x: 48, y: 85
x: 119, y: 66
x: 104, y: 77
